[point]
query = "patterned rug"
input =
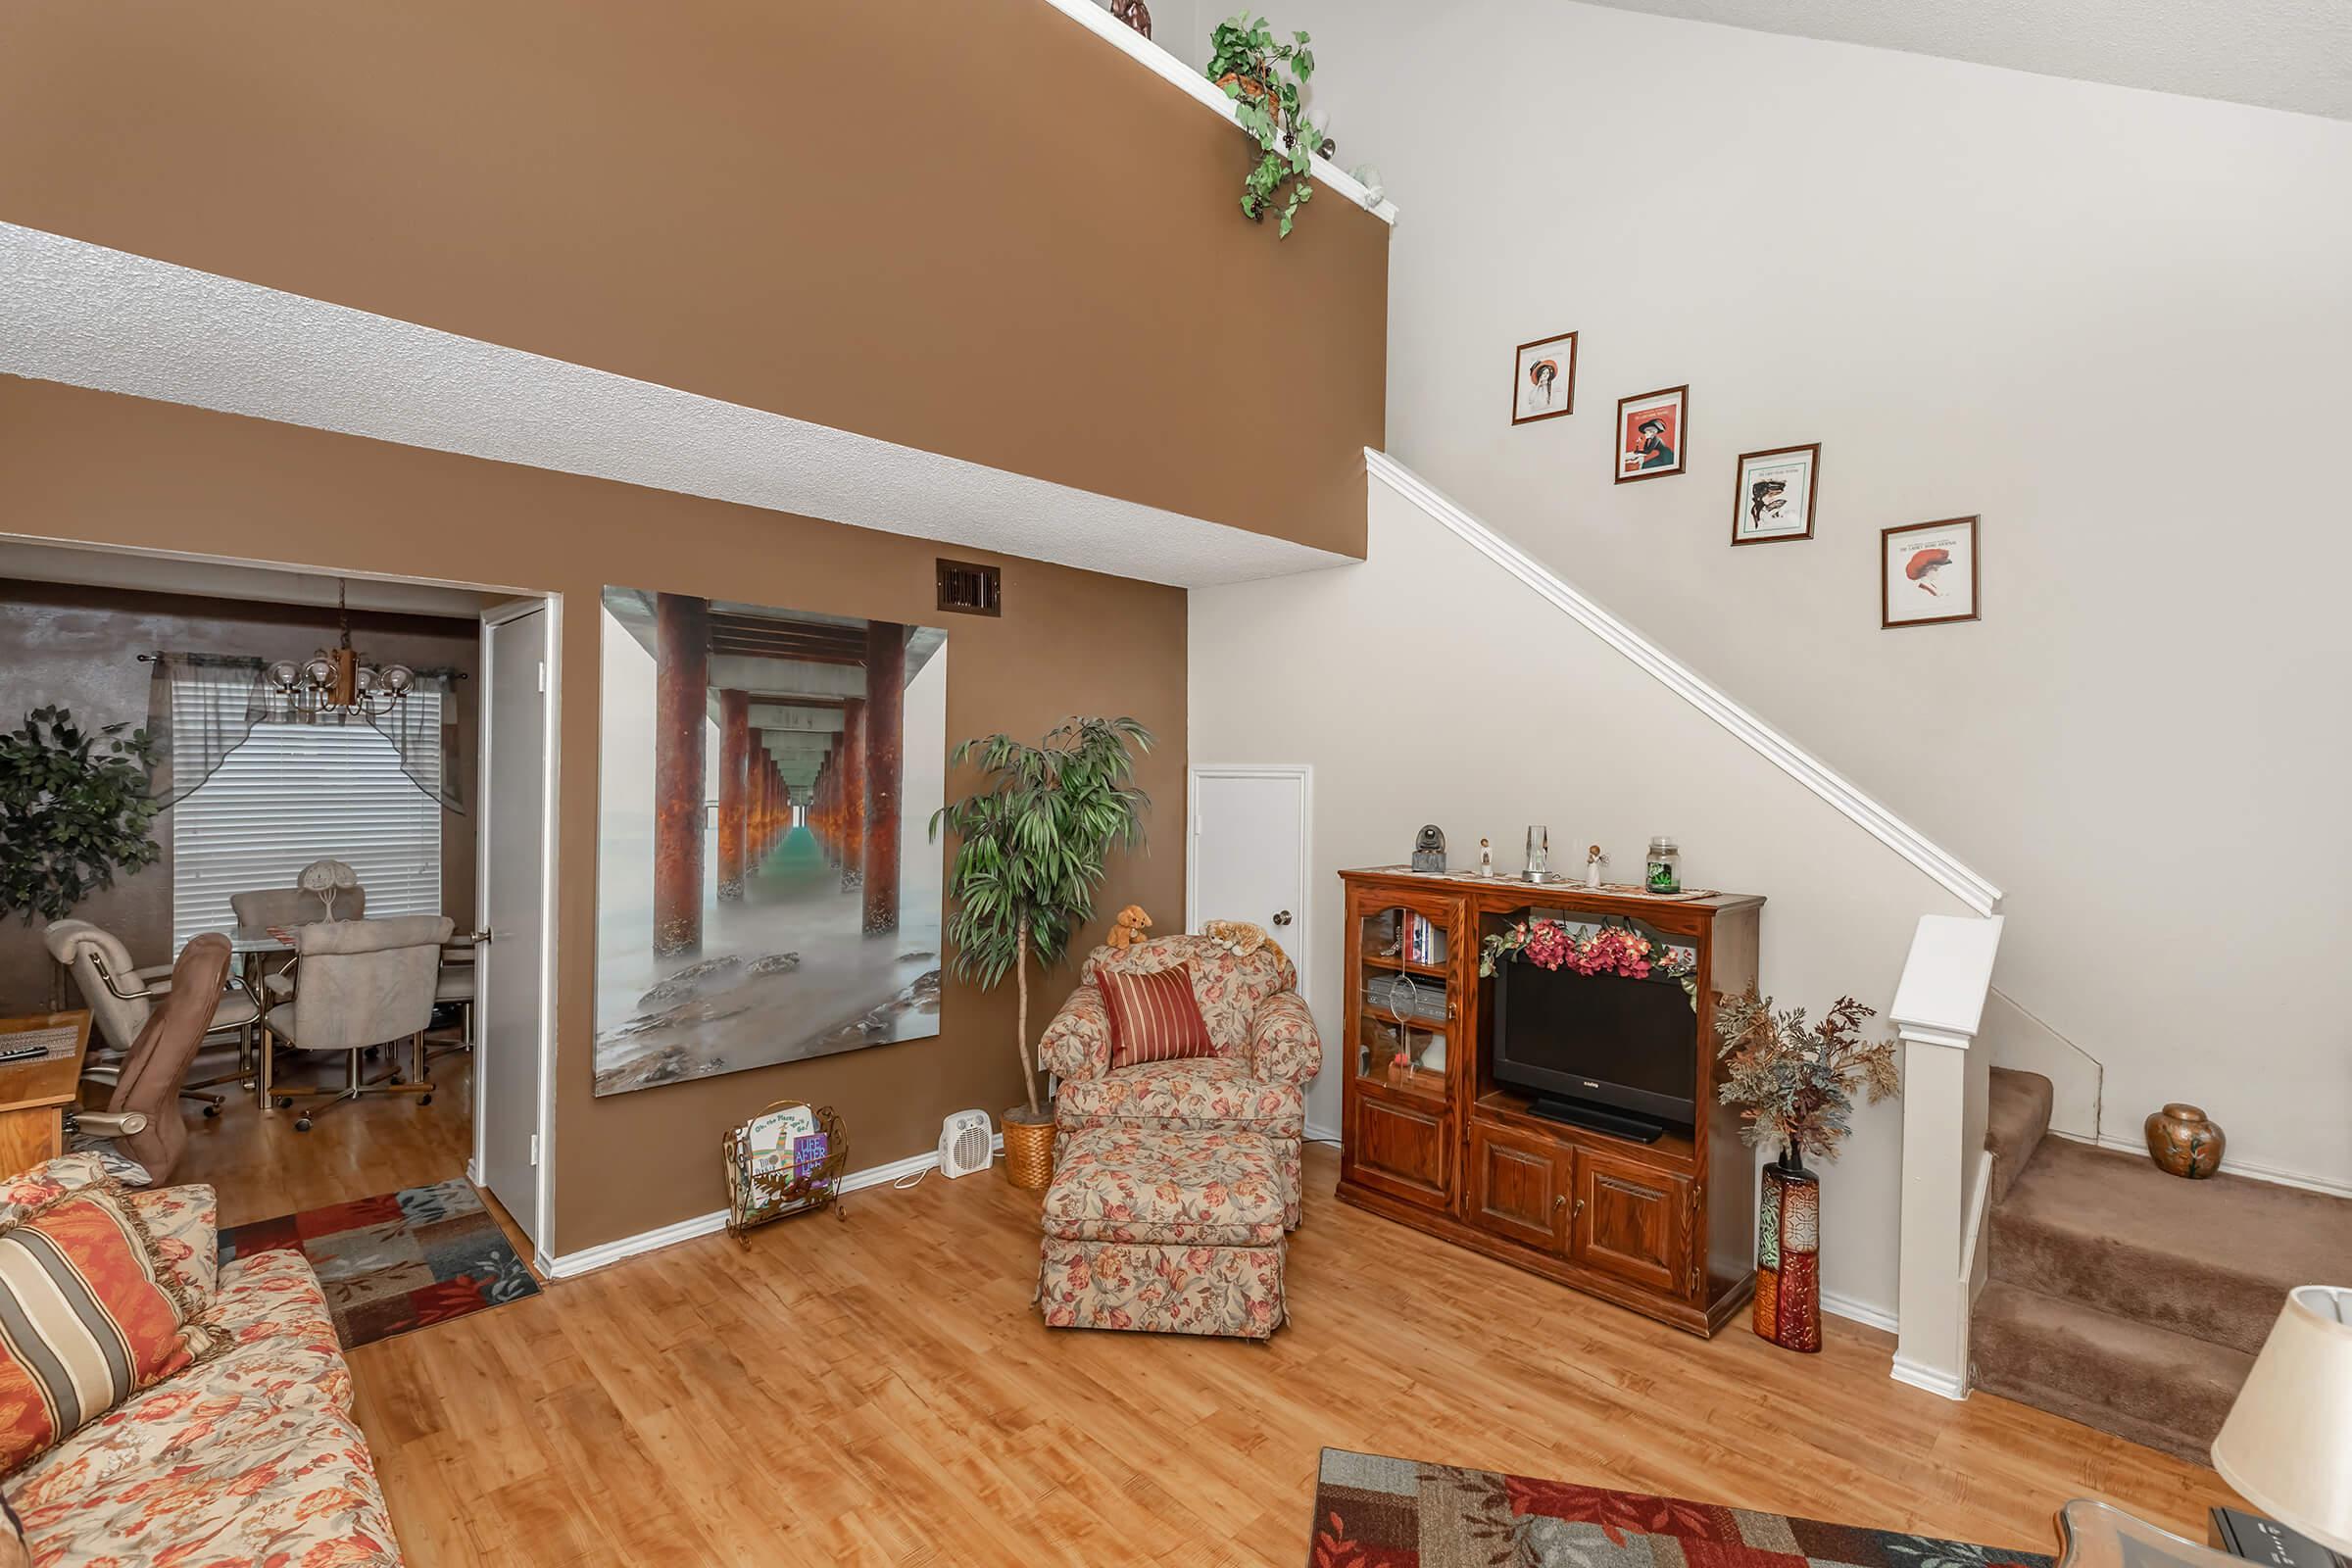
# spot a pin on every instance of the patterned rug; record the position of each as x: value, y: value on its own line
x: 399, y: 1261
x: 1372, y: 1512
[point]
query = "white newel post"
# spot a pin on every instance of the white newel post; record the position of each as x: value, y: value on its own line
x: 1936, y: 1009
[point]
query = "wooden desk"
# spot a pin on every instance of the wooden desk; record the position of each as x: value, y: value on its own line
x: 34, y: 1094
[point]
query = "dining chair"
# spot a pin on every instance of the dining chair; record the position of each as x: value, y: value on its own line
x: 284, y: 909
x: 140, y: 1134
x: 364, y: 983
x: 458, y: 985
x: 122, y: 996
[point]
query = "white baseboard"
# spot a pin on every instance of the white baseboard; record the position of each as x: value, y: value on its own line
x: 1846, y: 1307
x: 1934, y: 1381
x: 570, y: 1265
x: 2231, y: 1166
x: 1322, y: 1135
x: 473, y: 1172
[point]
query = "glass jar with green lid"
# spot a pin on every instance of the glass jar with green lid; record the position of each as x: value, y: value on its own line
x: 1665, y: 875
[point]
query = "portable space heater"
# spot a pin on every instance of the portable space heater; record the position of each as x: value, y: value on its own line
x: 965, y: 1142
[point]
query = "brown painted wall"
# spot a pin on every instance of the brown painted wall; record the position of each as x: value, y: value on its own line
x: 93, y: 466
x: 978, y: 229
x: 79, y: 646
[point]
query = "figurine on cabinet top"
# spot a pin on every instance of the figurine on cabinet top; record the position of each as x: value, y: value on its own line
x: 1594, y: 862
x: 1485, y: 858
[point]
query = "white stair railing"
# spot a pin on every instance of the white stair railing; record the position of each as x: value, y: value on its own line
x: 1937, y: 1009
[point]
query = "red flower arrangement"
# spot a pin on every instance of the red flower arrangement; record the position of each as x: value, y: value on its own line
x: 1616, y: 950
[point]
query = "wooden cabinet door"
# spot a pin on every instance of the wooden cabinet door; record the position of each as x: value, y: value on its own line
x: 1629, y: 1221
x: 1401, y: 1147
x: 1519, y: 1186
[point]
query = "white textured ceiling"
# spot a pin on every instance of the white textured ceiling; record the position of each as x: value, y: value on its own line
x: 82, y: 314
x: 2280, y: 54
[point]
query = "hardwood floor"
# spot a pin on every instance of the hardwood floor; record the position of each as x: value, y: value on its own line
x: 261, y: 1168
x: 881, y: 1391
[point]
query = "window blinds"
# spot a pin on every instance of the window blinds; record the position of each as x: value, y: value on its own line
x: 296, y: 793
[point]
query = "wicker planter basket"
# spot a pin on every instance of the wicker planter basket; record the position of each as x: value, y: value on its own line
x: 1028, y: 1150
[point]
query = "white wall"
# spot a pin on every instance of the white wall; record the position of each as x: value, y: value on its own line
x: 1426, y: 685
x: 2115, y: 323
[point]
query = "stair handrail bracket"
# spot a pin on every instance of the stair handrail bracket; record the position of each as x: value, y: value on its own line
x: 1939, y: 1007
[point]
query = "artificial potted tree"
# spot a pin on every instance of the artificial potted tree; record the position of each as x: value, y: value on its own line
x: 1033, y: 845
x: 75, y: 809
x: 1794, y: 1084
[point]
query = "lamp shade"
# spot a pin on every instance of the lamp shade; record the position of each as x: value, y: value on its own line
x: 2287, y: 1443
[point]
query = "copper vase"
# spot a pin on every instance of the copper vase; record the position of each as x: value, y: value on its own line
x: 2182, y: 1141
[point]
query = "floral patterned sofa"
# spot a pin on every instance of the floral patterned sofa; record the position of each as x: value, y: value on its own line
x: 249, y: 1458
x: 1267, y: 1050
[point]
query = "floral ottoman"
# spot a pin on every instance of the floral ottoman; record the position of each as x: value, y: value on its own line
x: 1171, y: 1232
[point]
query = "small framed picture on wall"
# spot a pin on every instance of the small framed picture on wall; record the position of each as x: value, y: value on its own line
x: 1652, y: 434
x: 1774, y: 497
x: 1544, y: 379
x: 1929, y: 574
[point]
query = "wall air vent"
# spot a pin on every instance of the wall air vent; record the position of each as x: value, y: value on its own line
x: 965, y: 589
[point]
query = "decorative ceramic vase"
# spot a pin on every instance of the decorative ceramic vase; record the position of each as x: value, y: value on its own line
x: 1788, y: 1256
x: 2182, y: 1141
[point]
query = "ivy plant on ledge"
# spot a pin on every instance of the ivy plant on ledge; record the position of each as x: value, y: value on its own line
x: 1263, y: 79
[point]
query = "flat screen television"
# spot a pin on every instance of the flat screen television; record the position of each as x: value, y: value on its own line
x: 1598, y: 1050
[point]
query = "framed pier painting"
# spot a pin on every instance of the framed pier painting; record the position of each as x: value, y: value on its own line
x: 766, y: 887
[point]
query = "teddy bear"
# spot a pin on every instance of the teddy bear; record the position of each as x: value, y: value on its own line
x: 1129, y: 928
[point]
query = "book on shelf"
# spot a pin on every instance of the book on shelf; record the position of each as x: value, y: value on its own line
x: 1420, y: 939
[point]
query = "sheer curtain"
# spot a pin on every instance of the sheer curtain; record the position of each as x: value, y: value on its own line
x: 202, y: 706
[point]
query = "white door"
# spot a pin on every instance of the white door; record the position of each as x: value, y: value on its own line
x: 512, y: 1012
x: 1249, y: 852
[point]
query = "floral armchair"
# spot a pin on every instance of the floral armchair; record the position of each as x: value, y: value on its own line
x: 1267, y: 1050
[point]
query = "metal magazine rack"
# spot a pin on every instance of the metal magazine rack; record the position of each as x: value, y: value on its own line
x: 789, y: 1160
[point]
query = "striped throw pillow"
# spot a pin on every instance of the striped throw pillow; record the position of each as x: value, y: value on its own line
x: 88, y: 1317
x: 1152, y: 1016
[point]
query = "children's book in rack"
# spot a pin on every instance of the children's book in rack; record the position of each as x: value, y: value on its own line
x: 789, y: 1160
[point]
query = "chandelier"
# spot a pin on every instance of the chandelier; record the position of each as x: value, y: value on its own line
x: 333, y: 682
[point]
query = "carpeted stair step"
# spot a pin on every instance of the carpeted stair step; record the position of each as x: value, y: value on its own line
x: 2134, y: 1378
x: 2212, y: 1259
x: 2016, y: 1115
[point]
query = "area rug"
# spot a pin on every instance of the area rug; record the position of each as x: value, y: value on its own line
x: 1372, y: 1512
x: 398, y: 1262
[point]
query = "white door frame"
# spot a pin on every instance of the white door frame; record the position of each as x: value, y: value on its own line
x: 543, y: 1175
x: 1304, y: 773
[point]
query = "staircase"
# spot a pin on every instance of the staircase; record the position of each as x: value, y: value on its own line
x: 2126, y: 1299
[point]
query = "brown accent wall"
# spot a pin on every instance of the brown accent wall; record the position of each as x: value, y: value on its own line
x: 91, y: 467
x: 976, y: 229
x: 79, y: 646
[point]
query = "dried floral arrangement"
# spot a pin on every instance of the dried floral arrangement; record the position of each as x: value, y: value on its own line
x: 1617, y: 949
x: 1794, y: 1083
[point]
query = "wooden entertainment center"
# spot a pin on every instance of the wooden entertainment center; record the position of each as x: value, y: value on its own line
x: 1666, y: 1227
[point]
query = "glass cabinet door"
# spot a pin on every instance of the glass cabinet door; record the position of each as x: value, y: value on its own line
x: 1406, y: 1021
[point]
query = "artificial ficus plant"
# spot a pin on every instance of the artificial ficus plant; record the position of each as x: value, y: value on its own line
x: 73, y: 810
x: 1263, y: 78
x: 1035, y: 839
